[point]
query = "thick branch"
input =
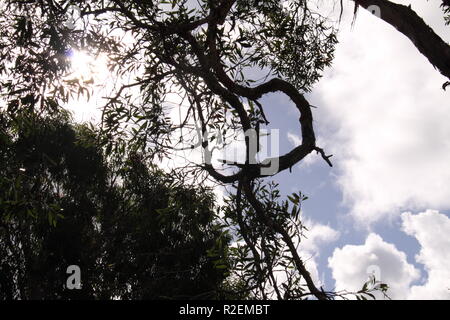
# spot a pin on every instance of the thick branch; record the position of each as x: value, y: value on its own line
x: 406, y: 20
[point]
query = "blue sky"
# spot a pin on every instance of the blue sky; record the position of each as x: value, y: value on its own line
x: 385, y: 204
x: 383, y: 115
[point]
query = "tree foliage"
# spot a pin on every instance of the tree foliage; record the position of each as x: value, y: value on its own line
x: 134, y: 231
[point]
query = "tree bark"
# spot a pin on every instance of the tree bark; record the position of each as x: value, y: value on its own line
x: 406, y: 20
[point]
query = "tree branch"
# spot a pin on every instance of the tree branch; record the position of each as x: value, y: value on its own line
x: 260, y: 212
x: 406, y: 20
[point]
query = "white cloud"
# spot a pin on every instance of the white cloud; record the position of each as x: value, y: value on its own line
x: 294, y: 139
x: 384, y: 101
x: 350, y: 264
x: 317, y: 235
x: 431, y: 229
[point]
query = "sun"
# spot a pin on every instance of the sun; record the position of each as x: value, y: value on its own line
x: 85, y: 67
x: 93, y: 79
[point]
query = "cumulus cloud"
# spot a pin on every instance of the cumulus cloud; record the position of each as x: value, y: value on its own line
x: 385, y: 117
x: 352, y: 264
x: 431, y: 229
x: 318, y: 234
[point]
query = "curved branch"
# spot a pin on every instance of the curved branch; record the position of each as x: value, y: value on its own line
x: 254, y: 93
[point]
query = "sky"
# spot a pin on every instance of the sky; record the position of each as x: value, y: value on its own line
x: 384, y: 206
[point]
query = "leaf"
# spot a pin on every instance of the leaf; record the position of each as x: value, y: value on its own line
x: 221, y: 266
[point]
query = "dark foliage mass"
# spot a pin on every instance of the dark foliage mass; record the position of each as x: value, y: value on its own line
x: 134, y: 231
